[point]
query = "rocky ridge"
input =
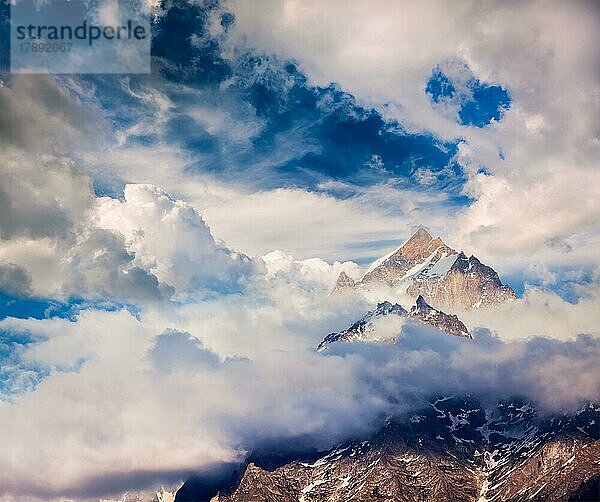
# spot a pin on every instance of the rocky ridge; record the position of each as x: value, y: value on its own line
x: 426, y: 266
x: 366, y: 329
x: 454, y: 449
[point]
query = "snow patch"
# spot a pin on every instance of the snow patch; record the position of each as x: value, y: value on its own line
x: 442, y: 266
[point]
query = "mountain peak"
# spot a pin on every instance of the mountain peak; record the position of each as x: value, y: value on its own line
x: 421, y: 234
x: 449, y: 323
x: 418, y: 241
x: 445, y: 278
x: 344, y: 278
x: 421, y: 304
x: 420, y: 245
x: 366, y: 329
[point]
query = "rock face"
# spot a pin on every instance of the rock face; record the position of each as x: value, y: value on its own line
x: 367, y: 329
x: 453, y: 450
x: 426, y: 266
x: 468, y: 284
x: 450, y: 324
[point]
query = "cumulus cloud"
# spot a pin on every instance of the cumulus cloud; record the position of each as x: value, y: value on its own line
x: 60, y: 238
x: 14, y: 280
x: 41, y: 196
x: 173, y: 393
x: 310, y: 270
x: 92, y: 263
x: 46, y: 200
x: 169, y: 239
x: 179, y: 406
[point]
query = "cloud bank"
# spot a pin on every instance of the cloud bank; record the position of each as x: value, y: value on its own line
x: 124, y: 396
x: 119, y: 400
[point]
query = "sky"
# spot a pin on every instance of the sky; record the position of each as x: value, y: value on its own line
x: 167, y: 241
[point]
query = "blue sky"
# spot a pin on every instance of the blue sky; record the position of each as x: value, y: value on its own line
x: 302, y: 134
x: 477, y: 103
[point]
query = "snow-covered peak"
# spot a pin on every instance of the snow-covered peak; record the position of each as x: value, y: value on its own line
x: 381, y: 324
x: 384, y: 323
x: 381, y: 260
x: 426, y: 266
x: 451, y: 324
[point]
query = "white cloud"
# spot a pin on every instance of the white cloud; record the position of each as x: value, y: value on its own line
x: 306, y: 224
x: 41, y: 196
x: 42, y: 117
x: 540, y: 313
x: 170, y: 240
x: 46, y: 200
x: 128, y: 396
x: 311, y: 270
x: 546, y: 55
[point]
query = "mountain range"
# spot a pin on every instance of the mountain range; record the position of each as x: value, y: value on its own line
x: 454, y: 448
x: 426, y: 266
